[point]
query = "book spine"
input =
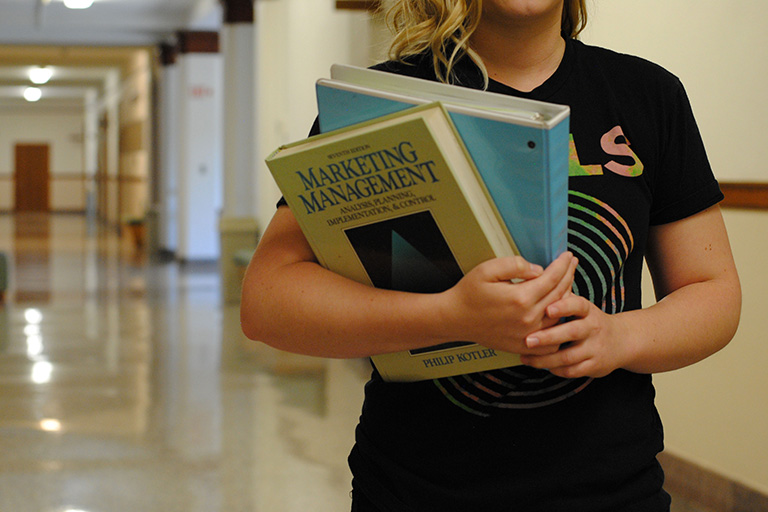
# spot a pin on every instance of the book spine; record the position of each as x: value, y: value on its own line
x: 557, y: 156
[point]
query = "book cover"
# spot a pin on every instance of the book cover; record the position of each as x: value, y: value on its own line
x: 397, y: 203
x: 520, y: 146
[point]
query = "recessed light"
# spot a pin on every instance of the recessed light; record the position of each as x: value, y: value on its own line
x: 40, y: 75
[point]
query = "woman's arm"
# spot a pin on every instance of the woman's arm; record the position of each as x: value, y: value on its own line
x: 292, y: 303
x: 697, y: 313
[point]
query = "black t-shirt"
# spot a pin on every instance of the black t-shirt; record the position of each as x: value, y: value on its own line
x: 521, y: 439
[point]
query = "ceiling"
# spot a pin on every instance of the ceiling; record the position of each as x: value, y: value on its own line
x: 83, y: 46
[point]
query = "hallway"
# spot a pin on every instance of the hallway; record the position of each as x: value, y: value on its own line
x: 125, y: 386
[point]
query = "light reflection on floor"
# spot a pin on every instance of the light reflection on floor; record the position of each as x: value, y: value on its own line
x: 126, y: 386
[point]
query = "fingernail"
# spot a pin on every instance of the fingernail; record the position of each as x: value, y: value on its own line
x: 532, y: 341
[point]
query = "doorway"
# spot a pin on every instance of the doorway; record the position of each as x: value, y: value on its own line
x: 32, y: 177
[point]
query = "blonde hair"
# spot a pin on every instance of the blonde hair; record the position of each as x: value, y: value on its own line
x: 444, y: 27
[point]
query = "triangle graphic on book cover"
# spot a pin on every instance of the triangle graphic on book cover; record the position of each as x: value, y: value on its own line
x: 411, y: 270
x: 406, y: 253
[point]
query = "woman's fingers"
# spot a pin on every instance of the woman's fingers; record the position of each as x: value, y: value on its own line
x: 555, y: 282
x: 514, y: 268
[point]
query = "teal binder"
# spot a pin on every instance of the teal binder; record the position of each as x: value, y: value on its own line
x: 520, y: 146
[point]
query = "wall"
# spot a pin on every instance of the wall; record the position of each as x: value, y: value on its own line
x: 62, y: 130
x: 108, y: 202
x: 714, y: 412
x: 199, y: 172
x: 719, y: 50
x: 166, y: 145
x: 297, y: 41
x: 135, y: 135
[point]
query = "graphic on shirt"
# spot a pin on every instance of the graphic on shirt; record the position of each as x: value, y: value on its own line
x: 614, y: 143
x: 519, y: 387
x: 602, y: 241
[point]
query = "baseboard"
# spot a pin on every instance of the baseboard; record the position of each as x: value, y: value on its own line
x: 708, y: 489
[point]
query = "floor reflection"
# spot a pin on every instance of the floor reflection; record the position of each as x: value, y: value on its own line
x: 32, y: 254
x: 125, y: 385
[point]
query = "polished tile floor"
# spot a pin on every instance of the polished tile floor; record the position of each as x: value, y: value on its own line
x: 126, y: 386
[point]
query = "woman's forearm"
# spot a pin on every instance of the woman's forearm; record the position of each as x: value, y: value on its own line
x: 684, y: 327
x: 306, y: 309
x: 698, y: 291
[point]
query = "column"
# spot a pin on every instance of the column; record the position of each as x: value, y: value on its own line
x: 199, y: 176
x: 166, y: 207
x: 238, y: 228
x: 110, y: 134
x: 91, y: 148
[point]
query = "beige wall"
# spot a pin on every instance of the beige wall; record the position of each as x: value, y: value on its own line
x: 135, y: 133
x: 61, y: 129
x: 720, y: 52
x: 297, y: 42
x: 715, y: 412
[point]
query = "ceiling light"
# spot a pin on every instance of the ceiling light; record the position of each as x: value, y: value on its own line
x: 40, y: 75
x: 78, y: 4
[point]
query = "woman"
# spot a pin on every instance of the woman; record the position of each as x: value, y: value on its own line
x: 575, y: 429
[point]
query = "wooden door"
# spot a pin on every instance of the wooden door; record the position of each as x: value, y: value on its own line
x: 32, y: 177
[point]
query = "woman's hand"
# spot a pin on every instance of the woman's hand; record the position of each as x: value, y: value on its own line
x: 699, y: 301
x: 591, y: 342
x: 500, y: 302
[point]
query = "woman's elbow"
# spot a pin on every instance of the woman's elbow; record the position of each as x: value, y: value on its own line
x: 726, y: 313
x: 251, y: 322
x: 254, y: 309
x: 733, y: 309
x: 250, y: 326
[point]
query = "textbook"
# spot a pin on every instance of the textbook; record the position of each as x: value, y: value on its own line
x: 397, y: 203
x: 519, y: 146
